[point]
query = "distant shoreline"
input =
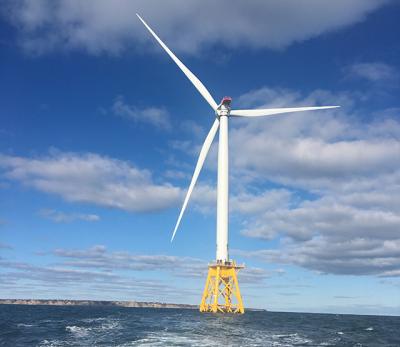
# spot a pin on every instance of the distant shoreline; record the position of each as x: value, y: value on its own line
x: 103, y: 303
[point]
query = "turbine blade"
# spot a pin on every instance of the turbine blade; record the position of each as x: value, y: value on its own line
x: 202, y: 156
x: 196, y: 82
x: 272, y: 111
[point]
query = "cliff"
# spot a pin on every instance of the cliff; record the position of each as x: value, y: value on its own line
x: 94, y: 303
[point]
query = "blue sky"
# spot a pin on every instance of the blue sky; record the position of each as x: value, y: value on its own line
x: 100, y: 132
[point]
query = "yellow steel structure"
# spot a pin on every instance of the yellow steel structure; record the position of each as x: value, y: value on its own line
x: 221, y: 292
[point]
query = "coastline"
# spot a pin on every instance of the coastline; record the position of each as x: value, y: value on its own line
x: 61, y: 302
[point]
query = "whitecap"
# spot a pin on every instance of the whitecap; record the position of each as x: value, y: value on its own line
x: 110, y: 325
x: 369, y: 329
x: 172, y: 339
x: 79, y: 331
x: 291, y: 338
x: 52, y: 343
x: 91, y: 320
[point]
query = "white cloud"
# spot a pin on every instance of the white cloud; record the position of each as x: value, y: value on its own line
x: 62, y: 217
x: 156, y: 116
x: 204, y: 197
x: 92, y: 178
x: 22, y: 279
x: 99, y: 258
x: 335, y: 221
x: 373, y: 71
x: 248, y: 203
x: 193, y: 129
x: 99, y: 273
x: 348, y: 221
x: 313, y: 150
x: 111, y: 26
x: 351, y: 257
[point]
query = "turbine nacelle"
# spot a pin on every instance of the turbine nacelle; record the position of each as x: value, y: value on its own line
x: 224, y: 108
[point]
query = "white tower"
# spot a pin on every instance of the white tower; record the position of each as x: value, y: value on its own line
x: 223, y: 182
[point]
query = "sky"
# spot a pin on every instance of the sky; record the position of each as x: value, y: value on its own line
x: 100, y: 132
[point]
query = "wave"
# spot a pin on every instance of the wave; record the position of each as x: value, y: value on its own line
x: 52, y: 343
x: 94, y: 320
x: 79, y: 331
x: 166, y: 338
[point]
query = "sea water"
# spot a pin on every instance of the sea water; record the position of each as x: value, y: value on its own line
x: 22, y: 325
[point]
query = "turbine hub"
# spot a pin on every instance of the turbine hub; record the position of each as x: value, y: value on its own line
x: 224, y: 108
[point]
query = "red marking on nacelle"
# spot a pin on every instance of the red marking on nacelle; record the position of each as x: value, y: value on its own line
x: 226, y: 100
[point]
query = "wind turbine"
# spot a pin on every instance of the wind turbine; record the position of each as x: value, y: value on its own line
x: 221, y: 281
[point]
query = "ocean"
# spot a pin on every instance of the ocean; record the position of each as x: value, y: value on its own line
x: 22, y: 325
